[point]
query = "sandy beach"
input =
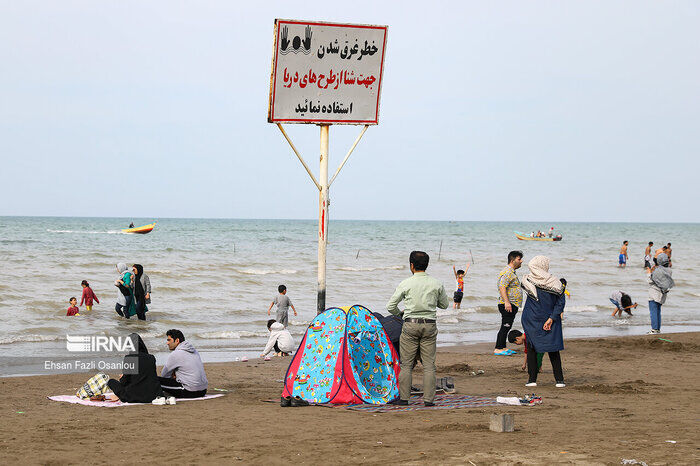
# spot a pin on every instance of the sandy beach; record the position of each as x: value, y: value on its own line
x: 625, y: 398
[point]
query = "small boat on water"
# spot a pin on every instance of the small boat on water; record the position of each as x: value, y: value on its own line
x: 142, y: 230
x: 523, y: 237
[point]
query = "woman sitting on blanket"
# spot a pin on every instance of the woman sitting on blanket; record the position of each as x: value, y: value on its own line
x: 141, y: 387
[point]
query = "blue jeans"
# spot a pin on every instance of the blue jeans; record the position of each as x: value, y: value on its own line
x: 655, y: 314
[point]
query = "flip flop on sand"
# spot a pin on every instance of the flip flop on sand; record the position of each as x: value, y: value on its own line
x: 505, y: 353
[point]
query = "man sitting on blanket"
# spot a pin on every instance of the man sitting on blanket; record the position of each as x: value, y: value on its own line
x: 183, y: 373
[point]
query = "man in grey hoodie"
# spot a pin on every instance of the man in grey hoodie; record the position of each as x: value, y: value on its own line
x: 183, y: 373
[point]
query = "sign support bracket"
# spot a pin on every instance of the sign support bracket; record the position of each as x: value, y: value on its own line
x: 301, y: 159
x: 362, y: 133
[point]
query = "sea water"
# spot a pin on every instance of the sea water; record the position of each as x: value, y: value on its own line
x: 215, y: 279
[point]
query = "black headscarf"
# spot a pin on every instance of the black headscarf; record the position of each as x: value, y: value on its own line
x: 143, y: 386
x: 139, y: 293
x: 138, y: 343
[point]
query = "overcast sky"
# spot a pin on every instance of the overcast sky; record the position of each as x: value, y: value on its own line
x: 562, y: 111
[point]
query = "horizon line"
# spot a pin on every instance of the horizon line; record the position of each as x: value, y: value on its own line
x: 155, y: 219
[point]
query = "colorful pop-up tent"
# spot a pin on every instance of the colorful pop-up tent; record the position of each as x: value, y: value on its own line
x: 344, y: 357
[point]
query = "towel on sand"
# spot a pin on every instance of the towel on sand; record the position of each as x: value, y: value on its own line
x: 114, y: 404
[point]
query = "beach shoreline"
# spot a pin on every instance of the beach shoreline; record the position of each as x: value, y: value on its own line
x: 625, y: 397
x: 225, y: 355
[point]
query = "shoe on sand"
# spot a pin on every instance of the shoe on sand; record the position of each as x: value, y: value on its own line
x: 286, y: 401
x: 159, y: 401
x: 653, y: 332
x: 171, y: 400
x: 560, y: 385
x: 428, y: 404
x: 399, y: 402
x: 297, y: 402
x: 531, y: 384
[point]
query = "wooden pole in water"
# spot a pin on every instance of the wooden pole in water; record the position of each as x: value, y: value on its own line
x: 322, y: 221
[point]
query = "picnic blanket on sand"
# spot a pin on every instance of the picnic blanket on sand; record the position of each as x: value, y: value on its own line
x: 113, y: 404
x: 446, y: 401
x: 415, y: 403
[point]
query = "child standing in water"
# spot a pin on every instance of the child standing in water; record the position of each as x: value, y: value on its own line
x: 459, y: 294
x: 73, y: 309
x: 283, y: 304
x: 622, y: 258
x: 88, y: 296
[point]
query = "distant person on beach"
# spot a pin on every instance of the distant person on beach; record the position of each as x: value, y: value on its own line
x: 660, y: 282
x: 622, y: 259
x: 73, y: 309
x: 647, y: 255
x: 140, y: 295
x: 123, y: 284
x: 281, y: 341
x: 459, y: 294
x: 517, y: 337
x: 283, y: 304
x: 421, y: 294
x: 510, y: 299
x: 541, y: 319
x: 88, y: 296
x: 142, y: 387
x: 622, y: 302
x: 183, y: 373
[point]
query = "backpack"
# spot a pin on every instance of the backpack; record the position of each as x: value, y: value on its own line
x: 96, y: 385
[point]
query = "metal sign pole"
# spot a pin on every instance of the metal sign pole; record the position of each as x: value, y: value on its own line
x: 322, y: 221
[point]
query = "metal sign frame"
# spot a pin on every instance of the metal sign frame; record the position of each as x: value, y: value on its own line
x: 323, y: 184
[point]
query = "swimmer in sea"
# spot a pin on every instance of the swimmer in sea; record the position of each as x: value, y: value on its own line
x: 622, y: 259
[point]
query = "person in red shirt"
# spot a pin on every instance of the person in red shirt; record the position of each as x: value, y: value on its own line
x: 88, y: 296
x: 73, y: 309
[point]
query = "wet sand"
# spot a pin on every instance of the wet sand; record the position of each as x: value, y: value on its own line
x: 625, y: 397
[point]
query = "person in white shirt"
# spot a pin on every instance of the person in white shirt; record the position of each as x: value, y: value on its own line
x: 281, y: 341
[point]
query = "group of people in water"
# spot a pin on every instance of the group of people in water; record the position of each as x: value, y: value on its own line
x: 134, y: 293
x: 659, y: 278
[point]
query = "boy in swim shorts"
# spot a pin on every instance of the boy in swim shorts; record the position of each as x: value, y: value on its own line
x: 623, y: 254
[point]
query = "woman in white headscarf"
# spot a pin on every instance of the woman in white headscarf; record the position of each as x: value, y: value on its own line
x: 541, y: 318
x: 660, y: 282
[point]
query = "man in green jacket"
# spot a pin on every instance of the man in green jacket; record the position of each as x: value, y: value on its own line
x: 421, y: 294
